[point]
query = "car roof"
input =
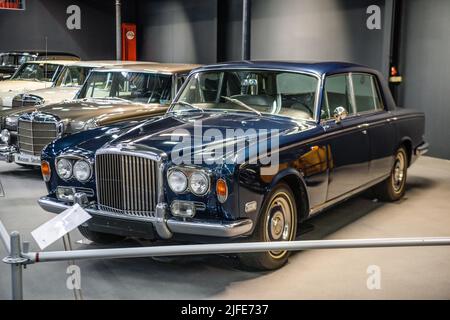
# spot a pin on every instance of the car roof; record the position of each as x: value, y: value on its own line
x: 61, y: 62
x: 152, y: 67
x: 316, y: 67
x: 39, y: 53
x: 100, y: 63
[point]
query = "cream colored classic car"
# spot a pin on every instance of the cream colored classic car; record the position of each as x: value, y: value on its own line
x: 69, y: 81
x: 30, y: 76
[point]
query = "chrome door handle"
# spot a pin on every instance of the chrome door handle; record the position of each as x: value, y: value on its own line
x: 364, y: 131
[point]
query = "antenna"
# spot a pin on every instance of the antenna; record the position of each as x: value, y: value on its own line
x: 46, y: 58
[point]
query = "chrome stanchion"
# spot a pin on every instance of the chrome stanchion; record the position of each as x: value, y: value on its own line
x: 16, y: 261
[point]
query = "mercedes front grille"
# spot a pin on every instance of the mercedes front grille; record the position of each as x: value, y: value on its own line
x: 33, y: 136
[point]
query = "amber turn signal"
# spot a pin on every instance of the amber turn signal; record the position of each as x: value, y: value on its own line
x: 221, y: 190
x: 46, y: 171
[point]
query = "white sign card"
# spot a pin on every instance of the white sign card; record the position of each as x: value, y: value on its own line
x: 60, y: 225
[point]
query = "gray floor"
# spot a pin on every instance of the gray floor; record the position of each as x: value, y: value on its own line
x: 410, y: 273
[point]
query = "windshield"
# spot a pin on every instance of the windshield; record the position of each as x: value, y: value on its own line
x: 37, y: 71
x: 7, y: 60
x: 14, y: 59
x: 271, y: 92
x: 72, y: 76
x: 133, y: 86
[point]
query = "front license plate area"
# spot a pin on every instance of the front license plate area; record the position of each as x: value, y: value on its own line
x: 27, y: 159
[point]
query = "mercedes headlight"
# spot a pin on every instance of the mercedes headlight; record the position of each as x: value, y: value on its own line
x: 64, y: 168
x: 177, y: 181
x: 82, y: 170
x: 5, y: 136
x: 199, y: 183
x: 11, y: 122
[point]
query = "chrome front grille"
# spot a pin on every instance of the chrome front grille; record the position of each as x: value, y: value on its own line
x: 34, y: 136
x: 24, y: 100
x: 126, y: 184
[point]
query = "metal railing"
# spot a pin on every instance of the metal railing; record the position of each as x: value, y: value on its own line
x: 19, y: 255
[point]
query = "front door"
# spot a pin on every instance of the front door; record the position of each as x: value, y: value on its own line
x: 348, y: 139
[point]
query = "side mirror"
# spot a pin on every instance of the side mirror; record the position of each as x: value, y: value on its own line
x: 340, y: 114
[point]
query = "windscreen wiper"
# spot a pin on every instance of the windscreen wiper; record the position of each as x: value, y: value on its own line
x: 242, y: 104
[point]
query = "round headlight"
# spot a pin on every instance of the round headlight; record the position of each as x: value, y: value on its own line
x: 82, y: 170
x: 5, y: 136
x: 199, y: 183
x: 177, y: 181
x: 64, y: 169
x: 11, y: 122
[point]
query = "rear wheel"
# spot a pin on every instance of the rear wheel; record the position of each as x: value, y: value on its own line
x: 393, y: 188
x: 99, y: 237
x: 277, y: 222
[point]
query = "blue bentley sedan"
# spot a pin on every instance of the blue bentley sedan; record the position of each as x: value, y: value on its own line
x: 247, y: 151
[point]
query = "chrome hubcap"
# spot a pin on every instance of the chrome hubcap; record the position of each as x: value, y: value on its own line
x: 399, y: 172
x: 279, y: 223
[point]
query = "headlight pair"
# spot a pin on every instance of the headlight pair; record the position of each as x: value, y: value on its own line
x: 79, y: 169
x: 196, y: 181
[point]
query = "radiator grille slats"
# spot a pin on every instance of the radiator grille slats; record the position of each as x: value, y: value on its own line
x: 34, y: 136
x: 126, y: 184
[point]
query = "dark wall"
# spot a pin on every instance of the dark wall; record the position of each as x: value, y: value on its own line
x: 177, y: 31
x: 307, y: 30
x: 47, y: 18
x: 426, y: 68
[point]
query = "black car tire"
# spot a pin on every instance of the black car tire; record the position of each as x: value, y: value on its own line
x: 393, y: 188
x: 277, y: 222
x: 99, y: 237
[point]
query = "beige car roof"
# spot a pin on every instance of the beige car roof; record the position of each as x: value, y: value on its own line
x: 152, y: 67
x: 63, y: 62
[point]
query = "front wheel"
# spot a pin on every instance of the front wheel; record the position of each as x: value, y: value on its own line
x: 393, y: 188
x: 277, y: 222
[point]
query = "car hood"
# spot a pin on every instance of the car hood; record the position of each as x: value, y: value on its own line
x: 19, y: 86
x: 55, y: 94
x: 99, y: 109
x: 10, y: 88
x: 165, y: 132
x: 16, y: 112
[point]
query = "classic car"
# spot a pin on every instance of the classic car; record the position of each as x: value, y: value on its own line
x: 129, y: 91
x: 69, y: 81
x: 10, y: 61
x: 30, y: 76
x: 339, y: 133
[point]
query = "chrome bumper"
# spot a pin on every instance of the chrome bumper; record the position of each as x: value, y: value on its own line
x: 165, y: 227
x: 421, y: 149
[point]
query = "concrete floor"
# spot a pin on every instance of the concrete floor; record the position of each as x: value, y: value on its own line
x: 406, y: 273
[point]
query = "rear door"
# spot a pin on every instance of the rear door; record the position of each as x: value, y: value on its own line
x: 370, y: 106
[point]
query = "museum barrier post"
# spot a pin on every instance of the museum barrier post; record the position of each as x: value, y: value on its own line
x: 20, y: 257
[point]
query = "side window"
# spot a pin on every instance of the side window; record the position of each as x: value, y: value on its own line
x: 366, y: 91
x: 336, y: 94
